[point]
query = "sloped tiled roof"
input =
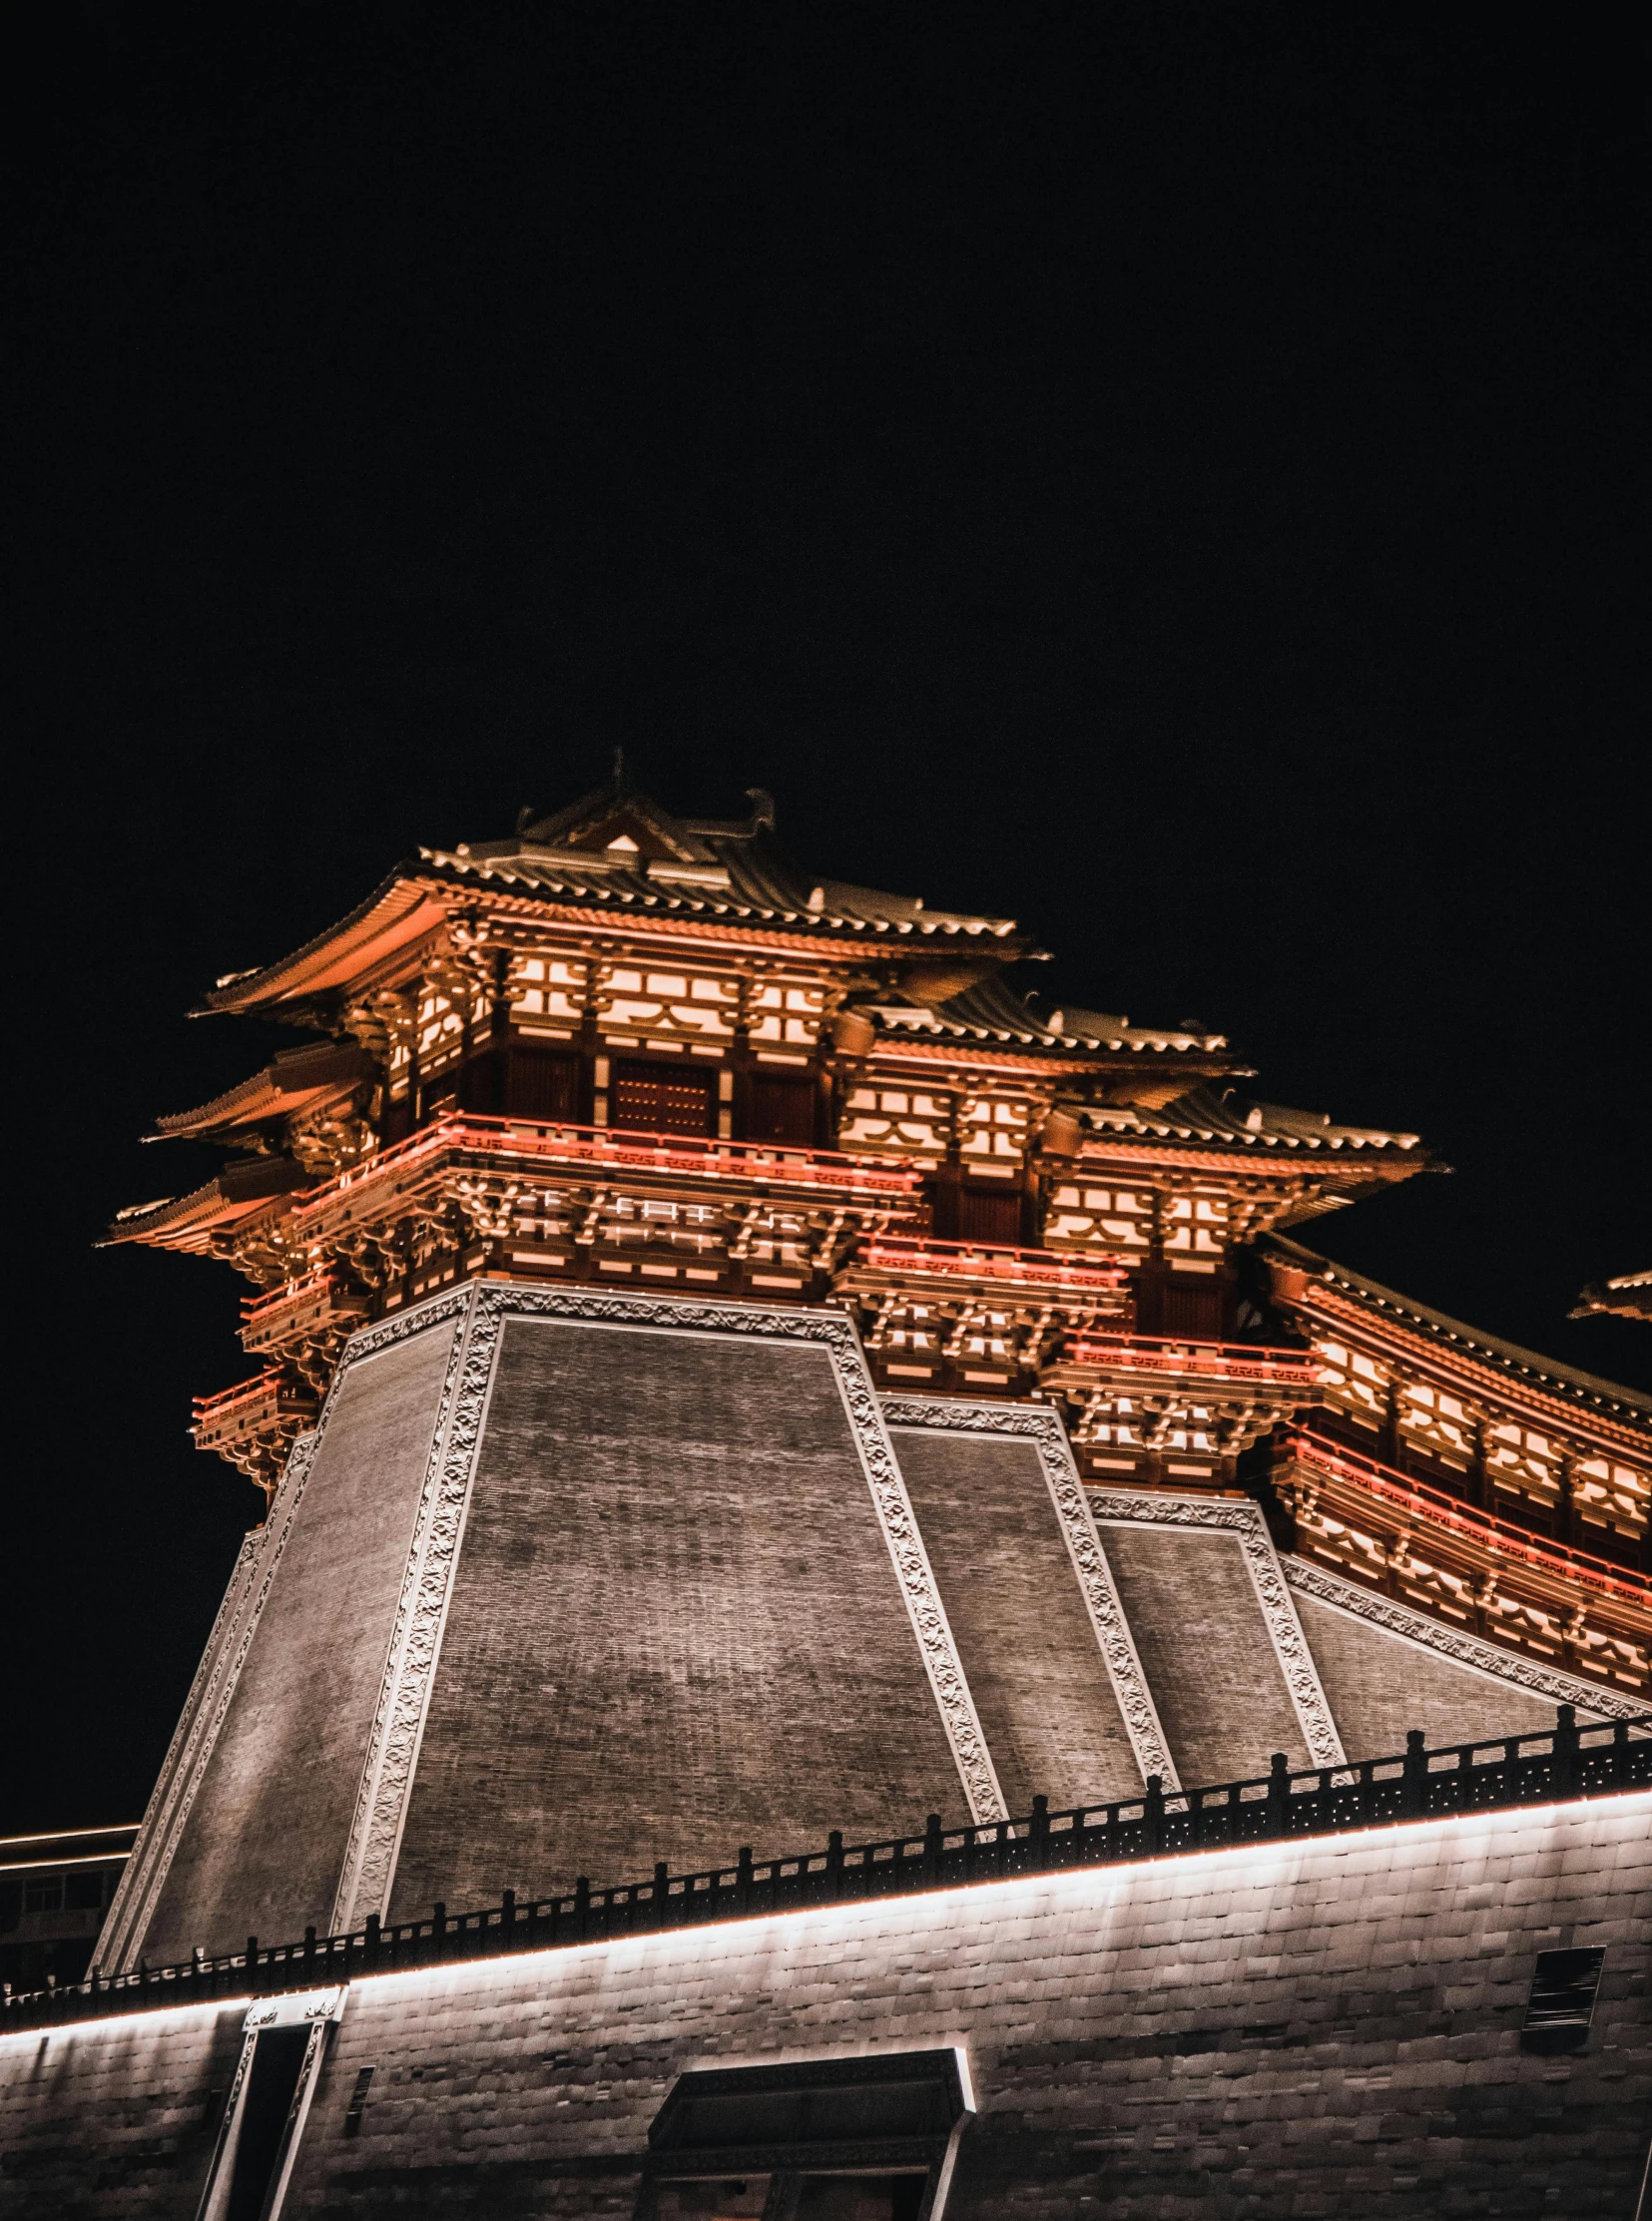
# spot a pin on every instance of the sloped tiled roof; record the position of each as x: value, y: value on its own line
x: 295, y: 1079
x: 1541, y: 1372
x: 1227, y: 1120
x: 990, y: 1009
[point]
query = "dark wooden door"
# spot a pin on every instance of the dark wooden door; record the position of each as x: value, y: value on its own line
x: 779, y: 1108
x: 544, y: 1083
x: 991, y: 1215
x: 662, y: 1099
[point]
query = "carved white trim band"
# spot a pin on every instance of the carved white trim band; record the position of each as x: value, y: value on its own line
x: 202, y: 1725
x: 203, y: 1711
x: 409, y: 1659
x: 237, y: 1589
x: 369, y: 1878
x: 1463, y: 1649
x: 1043, y: 1429
x: 1244, y: 1520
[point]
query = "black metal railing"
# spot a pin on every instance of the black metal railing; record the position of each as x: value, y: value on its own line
x: 1561, y: 1763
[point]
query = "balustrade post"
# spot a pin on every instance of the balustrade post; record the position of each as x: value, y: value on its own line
x: 1620, y: 1754
x: 1153, y: 1814
x: 1278, y: 1794
x: 834, y: 1863
x: 582, y: 1904
x: 931, y: 1849
x: 662, y: 1893
x: 252, y: 1954
x: 507, y: 1921
x: 438, y: 1928
x: 1414, y: 1794
x: 742, y: 1878
x: 374, y: 1936
x: 1564, y: 1771
x: 1040, y: 1831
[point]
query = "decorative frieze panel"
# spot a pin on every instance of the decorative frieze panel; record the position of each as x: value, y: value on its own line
x: 1244, y: 1522
x: 1043, y: 1427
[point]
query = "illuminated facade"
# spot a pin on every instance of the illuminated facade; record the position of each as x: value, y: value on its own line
x: 734, y: 1368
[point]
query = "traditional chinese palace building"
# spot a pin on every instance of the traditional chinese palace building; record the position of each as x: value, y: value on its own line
x: 852, y: 1620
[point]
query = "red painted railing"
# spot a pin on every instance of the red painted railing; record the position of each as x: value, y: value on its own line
x: 1501, y: 1538
x: 608, y: 1147
x: 986, y: 1261
x: 1205, y: 1360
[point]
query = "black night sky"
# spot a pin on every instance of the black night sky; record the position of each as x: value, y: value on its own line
x: 1164, y: 472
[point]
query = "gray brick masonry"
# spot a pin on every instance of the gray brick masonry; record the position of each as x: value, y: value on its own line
x: 674, y: 1626
x: 1035, y: 1668
x: 263, y: 1843
x: 1381, y: 1686
x: 1320, y: 2030
x: 1206, y: 1651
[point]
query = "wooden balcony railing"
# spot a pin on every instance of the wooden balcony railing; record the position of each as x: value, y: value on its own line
x: 1177, y: 1357
x: 1032, y: 1269
x: 1499, y: 1537
x: 606, y: 1148
x: 1420, y: 1784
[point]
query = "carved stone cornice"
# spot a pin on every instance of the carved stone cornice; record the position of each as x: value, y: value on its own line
x: 1243, y: 1521
x: 1507, y: 1666
x: 1043, y: 1427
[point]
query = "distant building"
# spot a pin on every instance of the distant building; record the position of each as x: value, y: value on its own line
x: 848, y: 1624
x: 53, y: 1893
x: 1629, y: 1297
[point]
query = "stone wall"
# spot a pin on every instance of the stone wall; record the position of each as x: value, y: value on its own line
x: 1327, y: 2028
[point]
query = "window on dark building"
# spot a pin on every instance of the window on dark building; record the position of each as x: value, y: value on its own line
x: 1192, y: 1312
x: 544, y: 1083
x: 991, y: 1215
x: 1561, y: 2006
x: 780, y: 1109
x: 662, y: 1099
x: 860, y: 2139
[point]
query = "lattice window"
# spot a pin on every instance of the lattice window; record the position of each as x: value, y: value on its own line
x: 1196, y: 1226
x: 993, y: 1130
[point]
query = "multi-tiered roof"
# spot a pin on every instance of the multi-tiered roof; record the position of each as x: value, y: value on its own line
x: 632, y: 1048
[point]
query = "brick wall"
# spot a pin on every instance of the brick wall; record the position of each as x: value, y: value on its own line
x: 1329, y: 2028
x: 1205, y: 1648
x: 1036, y: 1672
x: 262, y: 1846
x: 674, y: 1626
x: 1381, y: 1686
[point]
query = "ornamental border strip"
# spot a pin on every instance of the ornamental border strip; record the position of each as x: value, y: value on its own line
x: 1244, y: 1522
x: 1526, y: 1772
x: 1042, y: 1425
x: 1510, y: 1669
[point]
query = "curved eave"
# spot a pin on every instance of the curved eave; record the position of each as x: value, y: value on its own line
x: 1394, y: 1147
x: 398, y: 914
x: 626, y: 889
x: 270, y: 1094
x: 193, y: 1220
x: 1385, y: 1303
x: 1133, y: 1043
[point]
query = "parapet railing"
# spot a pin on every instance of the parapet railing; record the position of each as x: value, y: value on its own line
x: 1484, y: 1527
x: 1280, y: 1806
